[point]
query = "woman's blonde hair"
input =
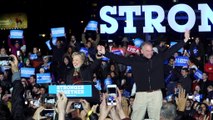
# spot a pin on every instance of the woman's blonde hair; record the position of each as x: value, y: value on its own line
x: 81, y: 54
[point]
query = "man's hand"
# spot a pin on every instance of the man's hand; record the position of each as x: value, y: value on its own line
x: 14, y: 64
x: 181, y: 100
x: 186, y: 36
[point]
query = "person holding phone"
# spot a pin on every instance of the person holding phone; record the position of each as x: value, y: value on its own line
x: 16, y: 46
x: 147, y: 69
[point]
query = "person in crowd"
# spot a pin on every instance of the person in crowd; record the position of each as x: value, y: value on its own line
x: 185, y: 80
x: 69, y: 52
x: 204, y: 83
x: 66, y: 65
x: 18, y: 91
x: 188, y: 109
x: 76, y: 45
x: 148, y: 76
x: 27, y: 63
x: 46, y: 63
x: 4, y: 82
x: 208, y: 68
x: 197, y: 51
x: 210, y: 92
x: 58, y: 51
x: 209, y: 48
x: 16, y: 46
x: 3, y: 52
x: 171, y: 75
x: 88, y: 37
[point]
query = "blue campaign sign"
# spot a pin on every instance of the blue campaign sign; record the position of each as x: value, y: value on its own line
x: 84, y: 50
x: 16, y: 34
x: 117, y: 52
x: 137, y: 42
x: 43, y: 78
x: 98, y: 84
x: 128, y: 68
x: 181, y: 61
x: 92, y: 25
x: 71, y: 90
x: 198, y: 74
x: 48, y: 45
x: 58, y: 32
x: 27, y: 72
x: 33, y: 56
x: 105, y: 58
x: 107, y: 81
x: 54, y: 39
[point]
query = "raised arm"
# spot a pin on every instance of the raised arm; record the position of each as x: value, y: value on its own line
x: 18, y: 91
x: 9, y: 42
x: 23, y: 41
x: 177, y: 46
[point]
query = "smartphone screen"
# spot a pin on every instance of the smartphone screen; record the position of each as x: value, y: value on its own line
x: 77, y: 105
x: 18, y: 53
x: 112, y: 94
x: 49, y: 113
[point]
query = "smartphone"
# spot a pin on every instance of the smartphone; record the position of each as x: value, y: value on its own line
x: 77, y: 105
x: 211, y: 115
x: 112, y: 94
x: 4, y: 61
x: 211, y: 101
x: 190, y: 97
x: 169, y: 98
x: 50, y: 100
x: 110, y: 41
x: 18, y: 53
x: 49, y: 113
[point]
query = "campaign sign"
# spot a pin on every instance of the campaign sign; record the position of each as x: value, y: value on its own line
x: 105, y: 58
x: 133, y: 49
x: 173, y: 43
x: 16, y: 34
x: 84, y: 50
x: 128, y: 68
x: 33, y: 56
x: 43, y: 78
x: 58, y: 32
x: 137, y: 42
x: 198, y: 74
x: 48, y: 45
x: 71, y: 90
x: 27, y: 72
x: 117, y: 51
x: 54, y: 40
x: 107, y: 81
x: 181, y: 61
x: 92, y: 25
x: 98, y: 84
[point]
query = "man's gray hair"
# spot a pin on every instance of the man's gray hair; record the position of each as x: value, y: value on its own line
x: 146, y: 43
x: 168, y: 111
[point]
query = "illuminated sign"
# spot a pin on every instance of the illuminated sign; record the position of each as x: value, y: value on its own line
x: 151, y: 23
